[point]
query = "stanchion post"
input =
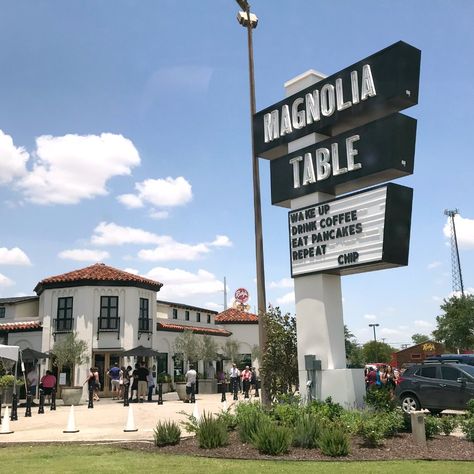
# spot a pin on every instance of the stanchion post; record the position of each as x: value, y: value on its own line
x: 160, y: 394
x: 193, y: 395
x: 41, y: 402
x: 53, y: 400
x: 91, y: 398
x: 14, y: 415
x: 223, y: 392
x: 29, y: 400
x: 125, y: 395
x: 257, y: 395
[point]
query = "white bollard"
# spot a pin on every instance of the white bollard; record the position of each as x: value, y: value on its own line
x: 130, y: 426
x: 196, y: 411
x: 71, y: 422
x: 6, y: 423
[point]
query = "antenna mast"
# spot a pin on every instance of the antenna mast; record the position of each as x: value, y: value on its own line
x: 455, y: 261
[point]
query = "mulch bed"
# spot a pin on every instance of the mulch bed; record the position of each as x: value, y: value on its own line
x: 399, y: 447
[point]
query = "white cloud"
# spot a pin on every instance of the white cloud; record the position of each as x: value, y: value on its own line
x: 166, y: 192
x: 12, y: 159
x: 221, y: 241
x: 419, y: 323
x: 108, y: 233
x: 434, y: 265
x: 464, y: 231
x: 172, y: 250
x: 370, y: 317
x: 158, y: 215
x: 14, y: 256
x: 215, y: 306
x: 134, y: 271
x: 5, y: 281
x: 178, y: 283
x: 283, y: 283
x: 287, y: 298
x: 84, y: 255
x: 71, y: 168
x: 387, y: 332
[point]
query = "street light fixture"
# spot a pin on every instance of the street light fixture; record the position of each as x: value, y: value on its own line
x: 249, y: 21
x: 373, y: 326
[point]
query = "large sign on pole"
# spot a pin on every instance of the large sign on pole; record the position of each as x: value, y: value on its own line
x: 369, y: 230
x: 364, y: 156
x: 379, y: 85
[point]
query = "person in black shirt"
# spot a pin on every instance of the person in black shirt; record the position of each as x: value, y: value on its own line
x: 142, y: 375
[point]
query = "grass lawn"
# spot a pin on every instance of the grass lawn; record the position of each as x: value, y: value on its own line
x: 108, y: 459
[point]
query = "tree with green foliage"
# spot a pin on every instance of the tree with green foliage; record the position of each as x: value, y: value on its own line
x: 375, y: 351
x: 418, y: 338
x: 354, y: 354
x: 280, y: 362
x: 455, y: 327
x: 70, y: 352
x: 207, y: 351
x: 186, y: 348
x: 230, y: 350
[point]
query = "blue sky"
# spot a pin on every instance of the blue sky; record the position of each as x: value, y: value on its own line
x: 124, y: 138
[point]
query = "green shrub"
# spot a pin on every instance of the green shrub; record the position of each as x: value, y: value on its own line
x: 272, y: 439
x: 166, y: 433
x: 432, y: 426
x: 350, y: 420
x: 334, y: 441
x: 228, y: 418
x: 287, y: 414
x: 394, y: 422
x: 306, y: 431
x: 327, y: 409
x: 467, y: 427
x: 249, y: 423
x: 380, y: 399
x: 470, y: 407
x: 372, y: 429
x: 448, y: 424
x: 211, y: 432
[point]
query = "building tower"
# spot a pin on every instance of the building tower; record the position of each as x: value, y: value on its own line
x: 455, y: 262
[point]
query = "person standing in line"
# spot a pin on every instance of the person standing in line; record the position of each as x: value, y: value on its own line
x: 134, y: 384
x: 91, y: 383
x: 32, y: 381
x: 246, y: 377
x: 48, y: 384
x: 114, y: 374
x: 191, y: 377
x: 142, y: 374
x: 151, y: 385
x: 126, y: 381
x: 234, y: 375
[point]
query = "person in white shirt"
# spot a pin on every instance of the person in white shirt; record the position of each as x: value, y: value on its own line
x: 191, y: 377
x: 234, y: 375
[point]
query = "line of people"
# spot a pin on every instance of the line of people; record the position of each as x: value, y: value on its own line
x: 382, y: 377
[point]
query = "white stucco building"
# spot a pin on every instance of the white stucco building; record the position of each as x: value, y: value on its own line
x: 115, y: 311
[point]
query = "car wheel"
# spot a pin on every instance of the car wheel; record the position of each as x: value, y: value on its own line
x: 409, y: 403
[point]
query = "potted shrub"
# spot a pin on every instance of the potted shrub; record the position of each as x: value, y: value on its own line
x: 208, y: 353
x: 70, y: 352
x: 6, y: 388
x: 165, y: 380
x: 180, y: 386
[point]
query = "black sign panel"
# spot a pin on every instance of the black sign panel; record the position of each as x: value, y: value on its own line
x: 372, y: 154
x: 375, y: 87
x: 364, y: 231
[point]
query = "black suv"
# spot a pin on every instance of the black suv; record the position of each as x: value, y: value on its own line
x: 436, y: 386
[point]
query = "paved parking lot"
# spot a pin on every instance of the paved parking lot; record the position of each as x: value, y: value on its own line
x: 106, y: 421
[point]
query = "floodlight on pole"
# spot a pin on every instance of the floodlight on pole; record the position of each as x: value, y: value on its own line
x: 249, y: 21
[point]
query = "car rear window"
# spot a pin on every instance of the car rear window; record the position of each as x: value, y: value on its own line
x: 450, y: 373
x: 429, y: 372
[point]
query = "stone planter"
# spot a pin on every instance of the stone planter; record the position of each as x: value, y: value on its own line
x: 71, y: 395
x: 6, y: 396
x: 207, y: 386
x: 181, y: 390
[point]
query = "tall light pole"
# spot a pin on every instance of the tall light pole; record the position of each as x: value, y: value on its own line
x: 249, y: 21
x: 373, y: 326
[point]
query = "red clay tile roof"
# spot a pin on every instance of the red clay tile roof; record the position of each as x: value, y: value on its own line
x: 98, y: 274
x: 20, y: 326
x: 236, y: 316
x: 172, y: 327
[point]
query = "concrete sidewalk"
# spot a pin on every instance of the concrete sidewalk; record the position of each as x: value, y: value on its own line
x: 106, y: 421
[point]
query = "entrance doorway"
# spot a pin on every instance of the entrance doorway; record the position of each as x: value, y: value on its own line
x: 104, y: 361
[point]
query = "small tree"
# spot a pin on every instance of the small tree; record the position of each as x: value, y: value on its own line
x: 188, y: 345
x: 207, y: 350
x: 377, y: 352
x: 70, y: 352
x: 419, y: 338
x: 230, y: 350
x: 354, y: 354
x: 279, y: 362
